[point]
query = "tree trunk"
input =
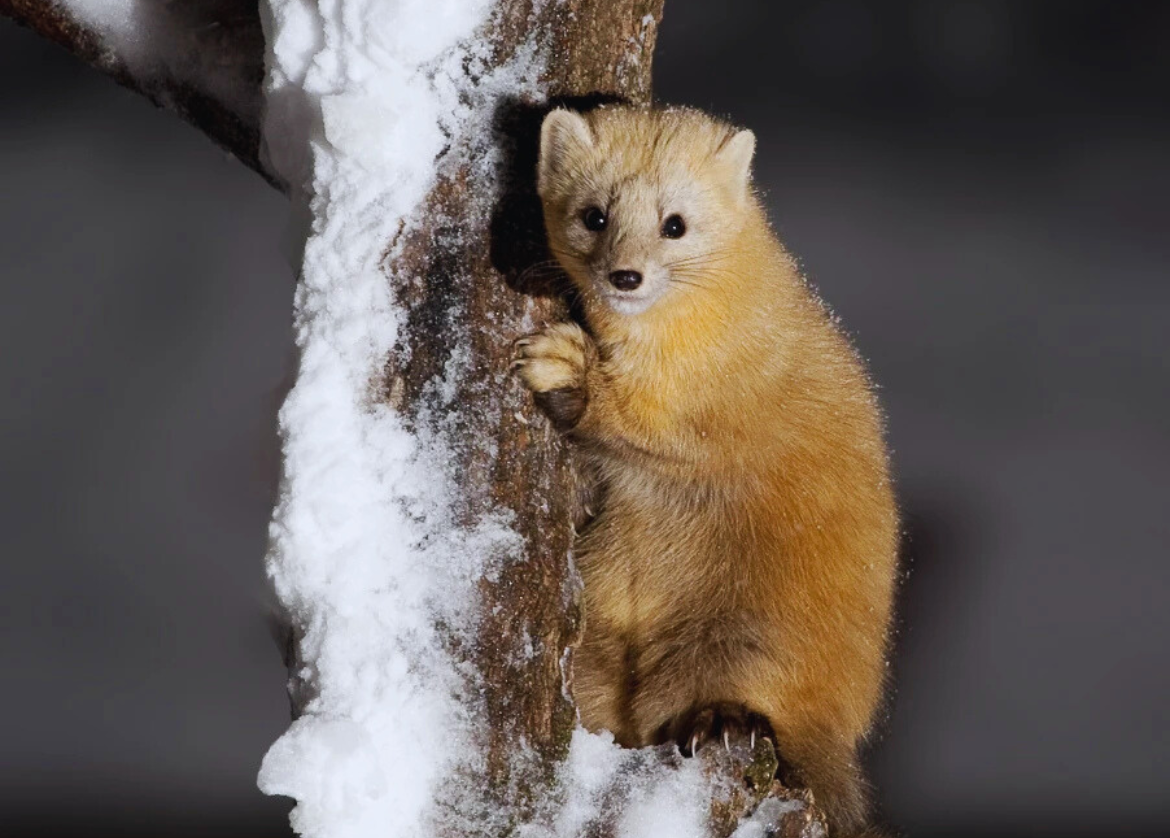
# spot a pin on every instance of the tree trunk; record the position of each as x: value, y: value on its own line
x: 465, y: 278
x: 475, y: 267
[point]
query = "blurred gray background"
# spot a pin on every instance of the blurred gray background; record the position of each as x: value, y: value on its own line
x: 978, y: 188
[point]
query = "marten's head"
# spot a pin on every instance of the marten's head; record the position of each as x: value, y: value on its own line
x: 641, y: 206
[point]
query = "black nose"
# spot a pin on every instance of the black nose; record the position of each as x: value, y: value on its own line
x: 625, y: 280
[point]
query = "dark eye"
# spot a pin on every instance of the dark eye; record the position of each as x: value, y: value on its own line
x: 594, y: 219
x: 673, y: 227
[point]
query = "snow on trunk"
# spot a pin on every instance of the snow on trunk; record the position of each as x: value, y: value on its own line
x: 366, y: 554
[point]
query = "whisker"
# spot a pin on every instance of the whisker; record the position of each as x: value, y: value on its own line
x: 543, y: 263
x: 701, y: 264
x: 545, y: 269
x: 541, y: 272
x: 708, y: 257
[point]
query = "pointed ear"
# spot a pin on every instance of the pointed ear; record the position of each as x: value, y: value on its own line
x: 562, y: 134
x: 735, y: 155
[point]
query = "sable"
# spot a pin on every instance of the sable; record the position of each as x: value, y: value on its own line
x: 739, y: 576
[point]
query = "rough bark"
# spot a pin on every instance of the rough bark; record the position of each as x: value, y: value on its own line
x: 477, y: 279
x: 464, y: 279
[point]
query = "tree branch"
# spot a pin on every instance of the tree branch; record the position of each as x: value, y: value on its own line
x: 204, y: 61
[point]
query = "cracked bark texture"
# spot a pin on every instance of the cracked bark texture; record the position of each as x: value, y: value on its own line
x: 471, y: 279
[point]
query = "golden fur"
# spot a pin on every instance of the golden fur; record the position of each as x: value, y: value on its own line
x: 743, y: 558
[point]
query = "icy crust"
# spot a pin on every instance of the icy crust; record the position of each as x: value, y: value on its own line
x: 600, y: 781
x: 366, y: 99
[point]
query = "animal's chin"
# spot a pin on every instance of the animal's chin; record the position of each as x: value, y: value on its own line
x: 629, y: 303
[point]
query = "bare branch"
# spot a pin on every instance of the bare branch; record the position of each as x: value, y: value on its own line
x: 204, y: 61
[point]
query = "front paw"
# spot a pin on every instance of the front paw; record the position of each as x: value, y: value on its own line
x: 552, y: 364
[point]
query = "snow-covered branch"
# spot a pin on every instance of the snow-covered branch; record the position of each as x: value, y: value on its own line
x: 204, y: 60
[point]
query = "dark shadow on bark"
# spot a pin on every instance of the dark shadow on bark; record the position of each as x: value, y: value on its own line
x: 519, y: 250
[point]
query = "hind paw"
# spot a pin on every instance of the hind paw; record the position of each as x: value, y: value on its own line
x: 731, y: 726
